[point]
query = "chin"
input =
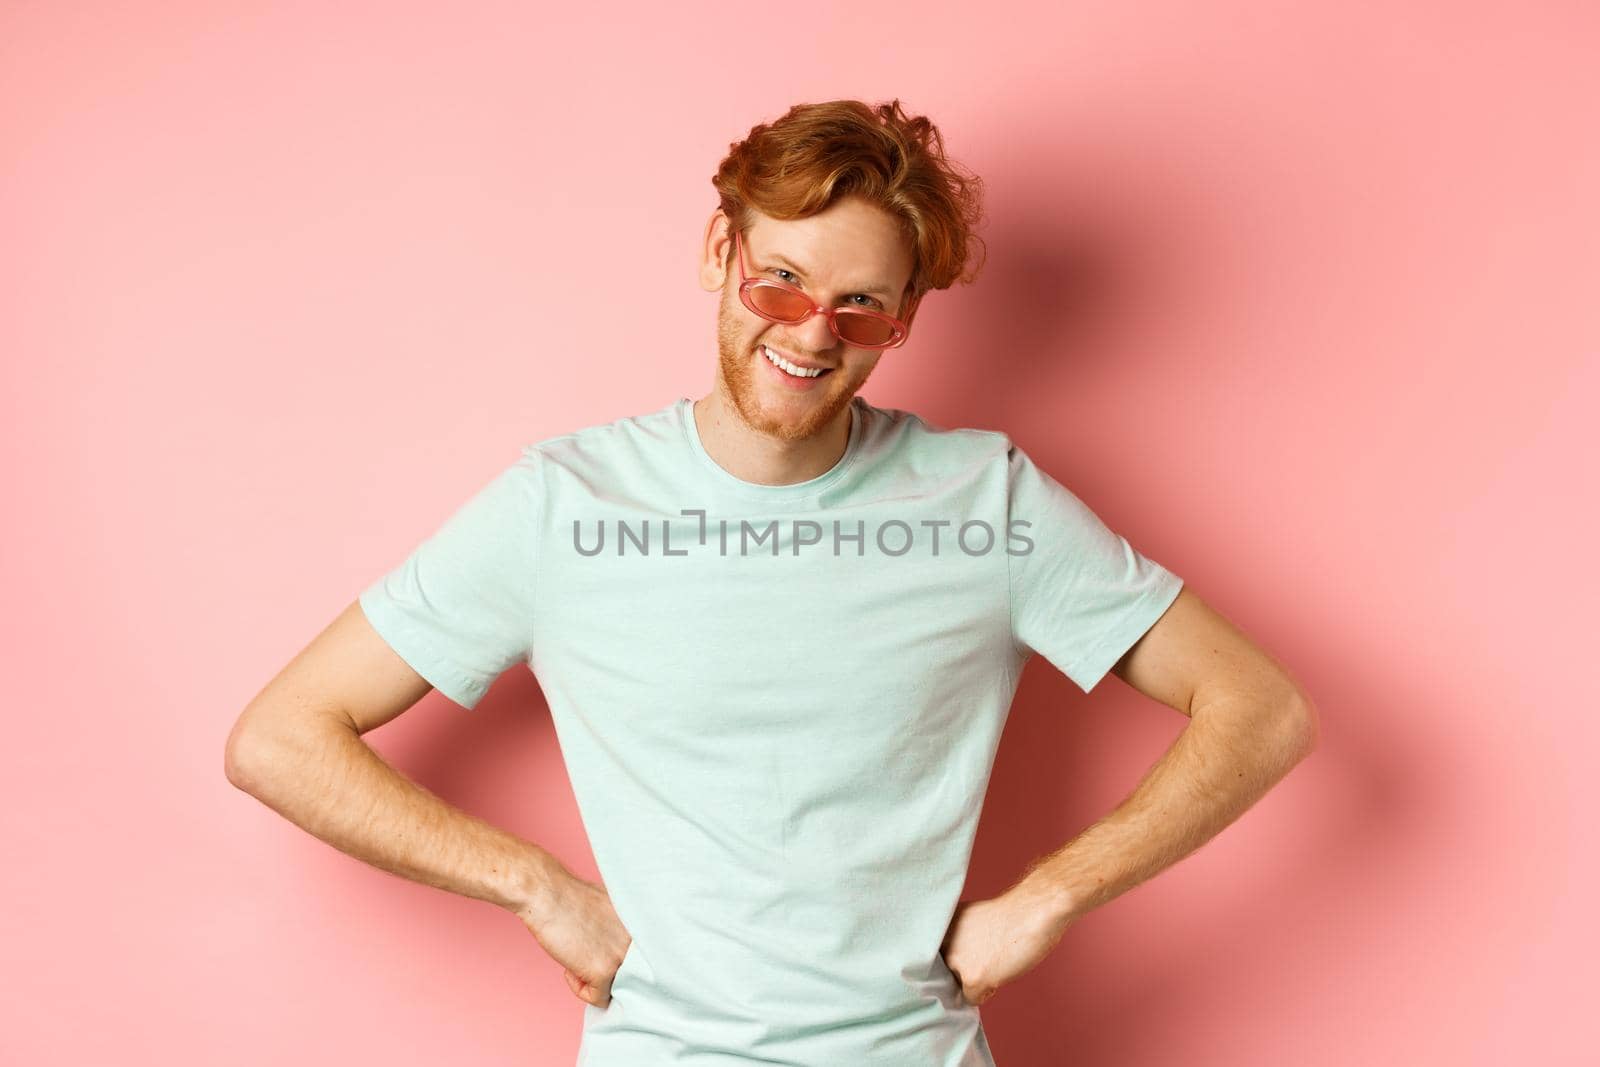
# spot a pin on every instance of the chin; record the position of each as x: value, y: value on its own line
x: 791, y: 415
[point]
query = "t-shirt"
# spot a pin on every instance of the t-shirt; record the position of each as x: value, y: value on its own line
x: 778, y: 705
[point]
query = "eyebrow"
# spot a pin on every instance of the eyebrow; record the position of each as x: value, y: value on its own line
x: 877, y: 290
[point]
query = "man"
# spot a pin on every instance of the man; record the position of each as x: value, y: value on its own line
x: 779, y: 629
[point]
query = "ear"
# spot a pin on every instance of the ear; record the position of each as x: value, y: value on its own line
x: 718, y: 246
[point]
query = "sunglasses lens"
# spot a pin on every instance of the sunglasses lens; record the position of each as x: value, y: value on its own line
x: 785, y: 306
x: 778, y: 303
x: 865, y: 329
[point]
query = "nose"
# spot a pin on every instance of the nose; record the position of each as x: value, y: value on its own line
x: 816, y: 335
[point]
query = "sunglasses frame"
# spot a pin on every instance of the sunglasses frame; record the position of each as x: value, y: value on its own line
x: 747, y: 283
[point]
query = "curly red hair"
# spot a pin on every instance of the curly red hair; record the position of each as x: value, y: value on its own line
x: 816, y: 154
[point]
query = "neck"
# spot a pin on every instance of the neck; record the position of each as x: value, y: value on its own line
x: 762, y: 458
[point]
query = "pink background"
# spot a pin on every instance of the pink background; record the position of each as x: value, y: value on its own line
x: 1301, y: 298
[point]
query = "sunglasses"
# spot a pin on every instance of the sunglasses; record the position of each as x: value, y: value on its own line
x: 858, y: 326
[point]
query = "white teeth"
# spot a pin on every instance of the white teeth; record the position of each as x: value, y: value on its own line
x: 787, y: 367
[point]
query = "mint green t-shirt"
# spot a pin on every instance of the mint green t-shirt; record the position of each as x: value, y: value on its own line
x: 778, y: 705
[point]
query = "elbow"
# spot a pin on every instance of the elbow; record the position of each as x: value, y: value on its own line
x: 255, y: 750
x: 269, y: 745
x: 241, y: 756
x: 1301, y: 729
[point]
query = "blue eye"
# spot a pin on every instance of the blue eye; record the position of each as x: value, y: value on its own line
x: 779, y: 270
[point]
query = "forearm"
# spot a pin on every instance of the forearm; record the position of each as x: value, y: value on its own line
x: 1230, y: 754
x: 331, y: 783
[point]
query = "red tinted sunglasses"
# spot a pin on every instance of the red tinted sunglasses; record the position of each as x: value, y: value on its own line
x: 777, y: 302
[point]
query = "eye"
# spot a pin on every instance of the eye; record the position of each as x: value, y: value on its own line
x: 870, y: 302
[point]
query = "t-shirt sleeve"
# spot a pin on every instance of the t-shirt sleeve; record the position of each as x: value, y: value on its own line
x: 1081, y: 595
x: 459, y: 608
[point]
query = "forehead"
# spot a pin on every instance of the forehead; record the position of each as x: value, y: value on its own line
x: 861, y: 251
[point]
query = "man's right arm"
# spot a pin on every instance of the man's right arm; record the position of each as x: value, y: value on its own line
x: 297, y: 748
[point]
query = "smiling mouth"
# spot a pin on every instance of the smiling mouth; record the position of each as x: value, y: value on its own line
x: 792, y: 369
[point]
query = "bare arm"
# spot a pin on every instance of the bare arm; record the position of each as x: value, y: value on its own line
x: 1231, y: 753
x: 1249, y: 725
x: 297, y: 748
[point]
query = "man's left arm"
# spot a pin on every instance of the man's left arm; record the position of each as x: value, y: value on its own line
x: 1250, y: 723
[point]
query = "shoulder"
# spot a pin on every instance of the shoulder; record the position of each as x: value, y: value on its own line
x: 628, y: 442
x: 927, y: 445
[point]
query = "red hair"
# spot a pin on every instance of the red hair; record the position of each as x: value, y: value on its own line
x: 816, y: 154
